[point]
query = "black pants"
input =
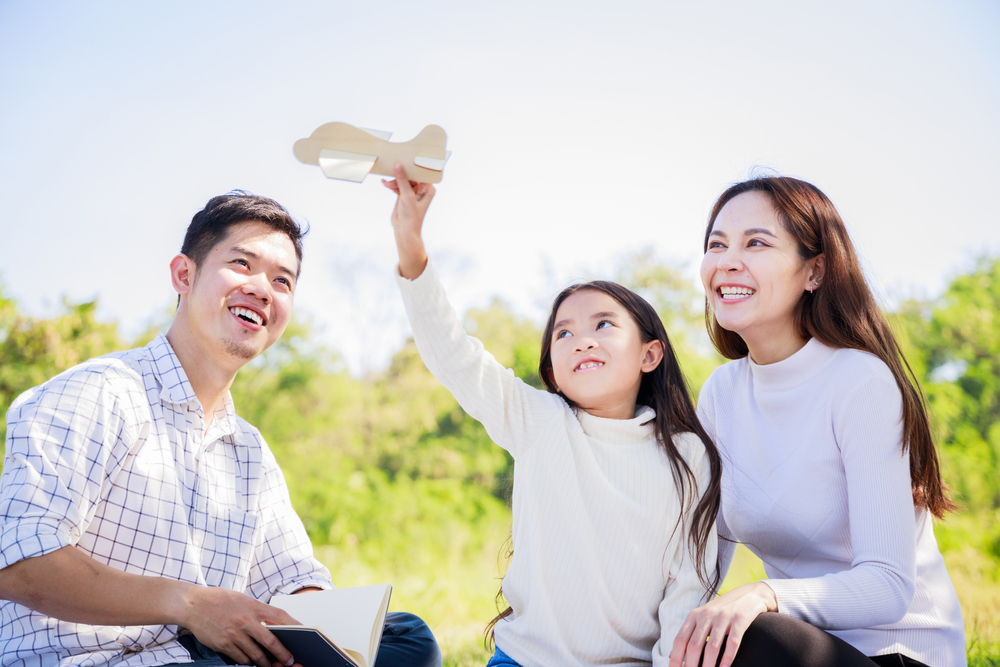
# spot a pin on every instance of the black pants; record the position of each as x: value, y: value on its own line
x: 776, y: 640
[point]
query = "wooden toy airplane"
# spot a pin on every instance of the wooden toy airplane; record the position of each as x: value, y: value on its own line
x: 350, y: 153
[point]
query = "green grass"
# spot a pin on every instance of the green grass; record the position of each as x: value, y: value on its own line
x: 457, y: 600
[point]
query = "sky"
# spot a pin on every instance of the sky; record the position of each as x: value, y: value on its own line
x: 580, y: 132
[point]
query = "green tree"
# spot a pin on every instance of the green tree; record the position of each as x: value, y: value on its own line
x: 32, y: 350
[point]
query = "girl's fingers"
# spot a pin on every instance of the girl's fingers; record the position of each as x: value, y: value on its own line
x: 403, y: 183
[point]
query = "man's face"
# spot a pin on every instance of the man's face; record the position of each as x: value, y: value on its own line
x: 242, y: 295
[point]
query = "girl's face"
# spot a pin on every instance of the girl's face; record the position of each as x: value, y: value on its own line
x: 754, y: 276
x: 598, y: 356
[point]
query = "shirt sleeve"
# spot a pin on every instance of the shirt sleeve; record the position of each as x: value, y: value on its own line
x: 879, y: 586
x: 283, y: 558
x: 685, y: 590
x: 513, y: 413
x: 64, y: 439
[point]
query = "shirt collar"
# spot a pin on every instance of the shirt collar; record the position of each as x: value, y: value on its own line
x: 176, y: 389
x: 174, y: 385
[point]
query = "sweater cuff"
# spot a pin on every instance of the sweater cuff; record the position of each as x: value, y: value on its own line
x: 429, y: 274
x: 791, y: 595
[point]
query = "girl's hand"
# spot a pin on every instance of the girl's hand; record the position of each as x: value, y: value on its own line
x: 412, y: 201
x: 727, y: 615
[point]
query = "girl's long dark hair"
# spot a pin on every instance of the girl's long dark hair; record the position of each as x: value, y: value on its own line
x: 841, y: 313
x: 664, y: 390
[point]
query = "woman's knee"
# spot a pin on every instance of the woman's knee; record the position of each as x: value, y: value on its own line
x: 782, y: 641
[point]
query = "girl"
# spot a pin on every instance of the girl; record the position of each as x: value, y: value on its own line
x: 615, y: 482
x: 830, y: 474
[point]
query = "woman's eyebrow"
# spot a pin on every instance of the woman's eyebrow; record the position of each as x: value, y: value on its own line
x: 760, y: 230
x: 604, y: 315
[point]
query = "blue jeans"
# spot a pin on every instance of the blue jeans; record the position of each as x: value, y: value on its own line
x: 406, y: 642
x: 501, y: 659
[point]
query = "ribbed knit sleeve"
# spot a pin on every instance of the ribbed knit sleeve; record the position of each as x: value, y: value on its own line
x: 513, y: 413
x: 879, y: 586
x: 685, y: 590
x: 726, y: 541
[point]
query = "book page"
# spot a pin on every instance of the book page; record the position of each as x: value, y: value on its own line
x: 347, y: 616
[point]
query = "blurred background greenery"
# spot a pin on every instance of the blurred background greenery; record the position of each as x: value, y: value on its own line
x: 395, y: 483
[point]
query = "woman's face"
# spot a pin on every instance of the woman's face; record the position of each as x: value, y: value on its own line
x: 754, y: 276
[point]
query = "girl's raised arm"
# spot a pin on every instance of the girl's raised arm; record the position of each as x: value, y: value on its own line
x: 514, y: 413
x: 408, y: 219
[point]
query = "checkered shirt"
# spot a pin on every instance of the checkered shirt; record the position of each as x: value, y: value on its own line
x: 110, y: 457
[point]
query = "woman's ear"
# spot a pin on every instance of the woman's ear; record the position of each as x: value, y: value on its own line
x: 653, y: 355
x: 817, y: 273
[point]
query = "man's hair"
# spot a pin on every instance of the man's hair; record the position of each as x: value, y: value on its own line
x: 211, y: 224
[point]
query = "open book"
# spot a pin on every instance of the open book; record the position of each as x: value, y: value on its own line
x: 341, y: 627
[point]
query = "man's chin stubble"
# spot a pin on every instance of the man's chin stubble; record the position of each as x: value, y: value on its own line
x: 240, y: 350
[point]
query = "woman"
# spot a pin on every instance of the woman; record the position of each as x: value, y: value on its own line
x: 829, y: 470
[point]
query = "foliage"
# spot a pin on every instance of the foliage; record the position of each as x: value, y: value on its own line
x: 32, y: 350
x: 395, y: 482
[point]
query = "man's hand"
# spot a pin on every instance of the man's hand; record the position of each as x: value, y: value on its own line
x: 412, y: 201
x: 230, y: 622
x: 70, y: 585
x: 729, y: 616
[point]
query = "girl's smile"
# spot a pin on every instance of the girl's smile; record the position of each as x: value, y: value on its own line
x: 598, y: 356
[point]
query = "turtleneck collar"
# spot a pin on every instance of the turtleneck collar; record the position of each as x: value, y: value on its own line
x: 639, y: 429
x: 797, y: 369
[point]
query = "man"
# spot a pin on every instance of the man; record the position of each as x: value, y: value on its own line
x: 141, y: 521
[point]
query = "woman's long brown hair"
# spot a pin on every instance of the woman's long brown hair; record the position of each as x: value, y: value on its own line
x: 841, y: 313
x: 664, y: 390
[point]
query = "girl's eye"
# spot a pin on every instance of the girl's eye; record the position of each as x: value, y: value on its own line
x: 712, y: 245
x: 563, y: 334
x: 603, y: 324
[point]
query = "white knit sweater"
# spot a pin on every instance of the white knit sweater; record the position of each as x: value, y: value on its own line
x: 599, y: 575
x: 816, y: 484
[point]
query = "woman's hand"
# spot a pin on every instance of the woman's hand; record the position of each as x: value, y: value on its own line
x: 412, y: 201
x: 727, y: 615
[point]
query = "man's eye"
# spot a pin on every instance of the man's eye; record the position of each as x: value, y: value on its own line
x: 242, y: 262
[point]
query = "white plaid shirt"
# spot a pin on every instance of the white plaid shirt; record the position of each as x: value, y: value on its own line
x: 110, y: 457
